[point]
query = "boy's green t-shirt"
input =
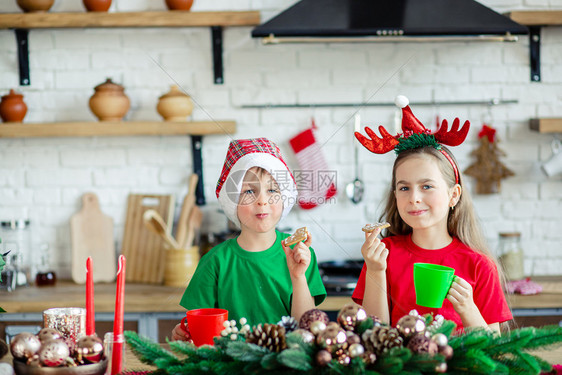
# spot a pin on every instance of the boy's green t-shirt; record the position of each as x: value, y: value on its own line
x: 254, y: 285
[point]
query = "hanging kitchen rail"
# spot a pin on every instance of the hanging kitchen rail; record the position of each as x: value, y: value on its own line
x: 22, y: 22
x: 490, y: 102
x: 535, y: 20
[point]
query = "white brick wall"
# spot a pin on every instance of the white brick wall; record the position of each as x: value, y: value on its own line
x: 44, y: 179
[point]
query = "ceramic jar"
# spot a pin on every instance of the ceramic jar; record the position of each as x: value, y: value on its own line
x: 32, y: 6
x: 109, y: 102
x: 97, y: 5
x: 175, y: 105
x: 179, y: 4
x: 12, y: 107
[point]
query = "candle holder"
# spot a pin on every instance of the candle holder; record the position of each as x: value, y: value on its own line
x: 69, y: 321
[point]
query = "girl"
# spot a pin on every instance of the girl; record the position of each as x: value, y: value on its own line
x: 432, y: 221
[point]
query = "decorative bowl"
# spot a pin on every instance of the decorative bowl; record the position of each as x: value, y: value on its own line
x: 32, y: 6
x: 21, y: 368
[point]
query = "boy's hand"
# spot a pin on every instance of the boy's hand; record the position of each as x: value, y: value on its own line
x: 178, y: 334
x: 298, y: 258
x: 461, y: 297
x: 374, y: 252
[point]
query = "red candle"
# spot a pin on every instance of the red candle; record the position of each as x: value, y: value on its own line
x: 118, y: 339
x: 90, y: 312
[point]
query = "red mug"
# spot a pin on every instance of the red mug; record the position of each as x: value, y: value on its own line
x: 204, y: 324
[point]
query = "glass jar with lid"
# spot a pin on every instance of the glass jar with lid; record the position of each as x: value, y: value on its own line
x: 510, y: 253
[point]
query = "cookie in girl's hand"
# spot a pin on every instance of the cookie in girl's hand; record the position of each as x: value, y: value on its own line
x: 369, y: 228
x: 300, y: 234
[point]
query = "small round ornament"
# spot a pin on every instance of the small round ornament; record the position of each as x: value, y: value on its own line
x: 89, y: 349
x: 441, y: 368
x: 352, y: 338
x: 440, y: 339
x: 317, y: 327
x: 332, y: 338
x: 53, y: 353
x: 369, y: 358
x: 356, y: 350
x: 33, y: 361
x: 311, y: 316
x: 351, y: 315
x: 307, y: 336
x: 422, y: 344
x: 24, y: 345
x: 447, y: 352
x: 344, y: 359
x: 48, y: 333
x: 410, y: 325
x: 323, y: 357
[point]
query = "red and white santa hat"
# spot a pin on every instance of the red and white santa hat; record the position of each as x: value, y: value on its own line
x: 244, y: 154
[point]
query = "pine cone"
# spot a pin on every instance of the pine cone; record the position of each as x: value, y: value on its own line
x: 289, y: 323
x: 270, y: 336
x: 381, y: 339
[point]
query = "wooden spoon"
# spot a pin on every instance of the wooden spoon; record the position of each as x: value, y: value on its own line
x: 193, y: 225
x: 154, y: 222
x: 187, y: 206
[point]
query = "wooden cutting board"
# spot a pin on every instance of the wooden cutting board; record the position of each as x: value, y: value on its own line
x: 143, y: 249
x: 91, y: 234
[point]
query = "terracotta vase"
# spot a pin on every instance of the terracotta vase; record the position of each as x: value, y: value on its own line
x: 179, y: 4
x: 175, y: 105
x: 97, y: 5
x: 109, y: 102
x: 12, y: 107
x: 33, y: 6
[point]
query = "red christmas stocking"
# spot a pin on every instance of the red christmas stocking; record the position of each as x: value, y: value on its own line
x: 315, y: 182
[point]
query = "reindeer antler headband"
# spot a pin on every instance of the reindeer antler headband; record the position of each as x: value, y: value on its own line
x: 414, y: 135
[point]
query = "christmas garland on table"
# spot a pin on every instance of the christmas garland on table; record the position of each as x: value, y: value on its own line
x: 355, y: 344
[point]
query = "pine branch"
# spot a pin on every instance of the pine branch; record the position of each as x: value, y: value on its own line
x: 182, y: 347
x: 475, y: 361
x: 545, y: 336
x: 147, y: 350
x: 246, y: 352
x: 295, y: 359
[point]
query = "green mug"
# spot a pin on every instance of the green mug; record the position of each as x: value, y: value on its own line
x: 432, y: 283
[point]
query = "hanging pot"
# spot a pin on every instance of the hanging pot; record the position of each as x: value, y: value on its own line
x: 179, y: 4
x: 109, y: 102
x: 175, y: 105
x: 12, y: 107
x: 35, y: 6
x: 97, y: 5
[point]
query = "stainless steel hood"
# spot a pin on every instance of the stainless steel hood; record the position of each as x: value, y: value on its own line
x: 387, y: 21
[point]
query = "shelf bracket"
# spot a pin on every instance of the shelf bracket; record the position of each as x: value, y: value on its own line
x: 216, y: 36
x: 535, y: 52
x: 23, y: 55
x: 196, y: 148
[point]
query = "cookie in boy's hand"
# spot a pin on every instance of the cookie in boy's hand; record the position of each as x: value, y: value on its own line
x: 301, y: 234
x: 369, y: 228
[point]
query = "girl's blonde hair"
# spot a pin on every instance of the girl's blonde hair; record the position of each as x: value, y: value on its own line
x: 462, y: 222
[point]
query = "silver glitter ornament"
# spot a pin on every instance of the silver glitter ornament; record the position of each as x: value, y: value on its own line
x: 307, y: 336
x: 440, y: 339
x: 47, y: 334
x: 410, y: 325
x: 350, y: 316
x: 24, y: 345
x: 89, y: 349
x: 317, y: 327
x: 53, y: 353
x: 332, y: 338
x: 356, y: 350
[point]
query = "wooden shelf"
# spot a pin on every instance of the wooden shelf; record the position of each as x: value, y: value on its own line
x: 537, y: 17
x: 125, y: 128
x: 127, y: 19
x: 546, y: 125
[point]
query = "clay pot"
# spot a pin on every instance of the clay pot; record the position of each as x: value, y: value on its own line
x: 12, y: 107
x: 97, y: 5
x: 175, y: 105
x: 179, y: 4
x: 109, y: 102
x: 32, y: 6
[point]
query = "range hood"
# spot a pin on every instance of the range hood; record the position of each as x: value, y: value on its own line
x: 388, y: 21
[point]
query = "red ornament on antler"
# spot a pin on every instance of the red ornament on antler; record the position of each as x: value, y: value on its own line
x: 410, y: 126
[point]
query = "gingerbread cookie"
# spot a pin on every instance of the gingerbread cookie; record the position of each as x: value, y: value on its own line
x: 301, y: 234
x: 368, y: 228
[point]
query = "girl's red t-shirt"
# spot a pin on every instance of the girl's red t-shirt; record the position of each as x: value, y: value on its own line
x: 477, y: 269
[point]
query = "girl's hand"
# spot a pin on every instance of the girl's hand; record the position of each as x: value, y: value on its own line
x: 298, y: 258
x: 374, y: 252
x: 179, y: 334
x: 461, y: 297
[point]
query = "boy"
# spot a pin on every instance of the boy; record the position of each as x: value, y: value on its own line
x: 254, y: 275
